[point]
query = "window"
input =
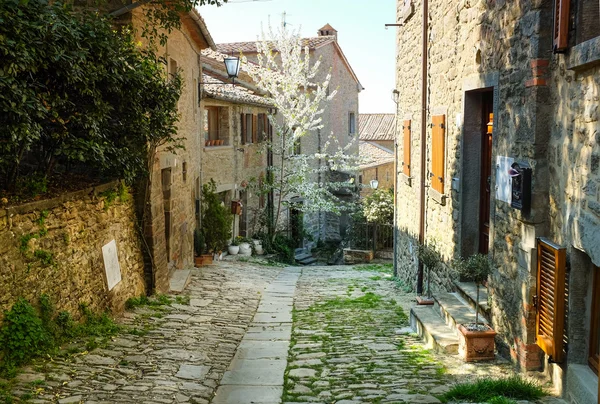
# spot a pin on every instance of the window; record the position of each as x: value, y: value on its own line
x: 549, y: 300
x: 216, y: 132
x: 406, y: 148
x: 561, y: 25
x: 262, y: 127
x: 297, y: 148
x: 184, y: 171
x: 351, y: 123
x: 172, y: 67
x: 438, y: 152
x: 587, y: 20
x: 594, y: 355
x: 248, y: 128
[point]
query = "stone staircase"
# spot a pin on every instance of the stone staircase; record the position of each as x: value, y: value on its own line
x: 303, y: 257
x: 437, y: 324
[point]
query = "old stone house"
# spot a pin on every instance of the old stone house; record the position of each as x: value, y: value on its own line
x: 499, y: 104
x: 377, y: 163
x: 174, y: 181
x: 376, y: 150
x: 237, y: 119
x: 339, y: 117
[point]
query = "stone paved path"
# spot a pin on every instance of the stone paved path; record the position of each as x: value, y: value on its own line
x: 180, y: 354
x: 350, y: 344
x: 246, y: 333
x: 257, y: 371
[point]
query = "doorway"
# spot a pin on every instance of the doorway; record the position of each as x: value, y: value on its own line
x: 297, y: 226
x: 487, y: 126
x: 476, y: 171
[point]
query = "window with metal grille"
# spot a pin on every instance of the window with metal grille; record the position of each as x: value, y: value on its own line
x: 549, y: 300
x: 438, y: 152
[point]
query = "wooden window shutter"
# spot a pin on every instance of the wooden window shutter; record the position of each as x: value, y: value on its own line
x: 406, y: 148
x: 438, y: 152
x: 243, y: 117
x: 254, y: 129
x: 561, y: 25
x: 549, y: 301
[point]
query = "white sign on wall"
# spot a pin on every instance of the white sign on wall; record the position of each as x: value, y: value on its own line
x: 111, y: 264
x: 503, y: 179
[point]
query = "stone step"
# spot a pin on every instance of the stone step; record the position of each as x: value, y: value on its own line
x: 307, y: 261
x: 454, y: 310
x: 303, y: 256
x: 430, y: 326
x: 468, y: 291
x: 299, y: 251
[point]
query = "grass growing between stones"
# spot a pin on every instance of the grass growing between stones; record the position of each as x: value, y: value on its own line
x: 495, y: 391
x: 384, y: 268
x: 351, y: 343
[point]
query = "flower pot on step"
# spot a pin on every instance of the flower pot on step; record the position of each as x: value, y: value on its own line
x: 233, y: 249
x: 475, y: 345
x: 198, y: 261
x: 207, y: 259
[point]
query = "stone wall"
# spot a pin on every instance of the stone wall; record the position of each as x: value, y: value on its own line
x: 64, y: 260
x: 476, y: 47
x: 384, y: 173
x: 546, y: 115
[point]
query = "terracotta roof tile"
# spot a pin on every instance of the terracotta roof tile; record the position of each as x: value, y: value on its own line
x: 231, y: 93
x: 376, y: 126
x: 250, y: 47
x: 372, y: 155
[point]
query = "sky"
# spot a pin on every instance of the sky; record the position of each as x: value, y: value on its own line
x: 368, y: 46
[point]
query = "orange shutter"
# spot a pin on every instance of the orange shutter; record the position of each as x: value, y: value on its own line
x: 561, y: 25
x: 406, y: 162
x: 243, y: 137
x: 254, y: 129
x: 550, y: 302
x: 438, y: 152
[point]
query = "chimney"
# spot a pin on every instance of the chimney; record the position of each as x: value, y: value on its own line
x: 327, y: 30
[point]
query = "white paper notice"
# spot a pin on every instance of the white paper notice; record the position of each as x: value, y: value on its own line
x: 503, y: 179
x: 111, y: 264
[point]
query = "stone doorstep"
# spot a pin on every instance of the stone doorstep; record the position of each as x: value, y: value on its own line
x: 454, y: 310
x: 430, y: 326
x: 180, y: 279
x: 468, y: 291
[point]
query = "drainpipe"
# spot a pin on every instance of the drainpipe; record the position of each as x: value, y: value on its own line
x: 425, y: 41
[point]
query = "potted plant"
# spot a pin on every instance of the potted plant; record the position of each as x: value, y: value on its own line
x: 234, y: 247
x: 476, y: 340
x: 245, y: 247
x: 216, y: 219
x: 200, y: 258
x: 430, y: 257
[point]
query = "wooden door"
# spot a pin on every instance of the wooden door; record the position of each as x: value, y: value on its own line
x: 486, y: 172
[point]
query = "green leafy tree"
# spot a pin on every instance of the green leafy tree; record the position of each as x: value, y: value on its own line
x: 216, y: 219
x: 430, y: 257
x: 75, y: 92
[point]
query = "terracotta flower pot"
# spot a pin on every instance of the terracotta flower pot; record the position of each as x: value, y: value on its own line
x: 197, y: 262
x: 476, y: 345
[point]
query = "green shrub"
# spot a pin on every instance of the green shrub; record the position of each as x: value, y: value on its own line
x: 22, y: 335
x: 216, y: 219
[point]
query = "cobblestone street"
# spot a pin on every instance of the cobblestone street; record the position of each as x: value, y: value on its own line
x: 226, y: 339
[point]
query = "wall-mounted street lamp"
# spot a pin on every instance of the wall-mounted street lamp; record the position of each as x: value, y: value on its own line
x: 232, y: 66
x: 395, y: 96
x: 374, y: 184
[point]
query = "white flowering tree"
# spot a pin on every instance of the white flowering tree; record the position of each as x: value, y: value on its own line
x: 378, y: 207
x: 285, y: 73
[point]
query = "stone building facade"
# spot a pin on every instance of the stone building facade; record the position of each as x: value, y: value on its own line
x: 502, y: 109
x: 377, y: 163
x: 174, y: 181
x: 238, y: 162
x: 339, y: 119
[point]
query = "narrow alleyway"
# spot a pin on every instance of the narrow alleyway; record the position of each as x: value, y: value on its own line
x: 249, y: 333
